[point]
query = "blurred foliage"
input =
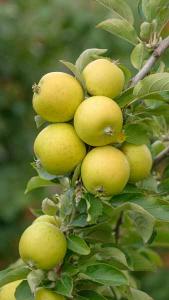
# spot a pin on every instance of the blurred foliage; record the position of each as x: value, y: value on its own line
x: 157, y: 284
x: 34, y: 35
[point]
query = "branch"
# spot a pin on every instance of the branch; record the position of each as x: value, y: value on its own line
x: 161, y: 156
x: 161, y: 48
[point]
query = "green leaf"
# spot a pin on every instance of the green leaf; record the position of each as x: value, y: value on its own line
x: 162, y: 237
x: 66, y: 203
x: 76, y: 174
x: 157, y: 147
x: 151, y: 8
x: 73, y: 68
x: 149, y: 184
x: 154, y: 86
x: 49, y: 207
x: 23, y: 292
x: 139, y: 295
x: 106, y: 275
x: 146, y: 28
x: 155, y: 206
x: 160, y: 96
x: 125, y: 98
x: 64, y: 286
x: 12, y: 274
x: 42, y: 172
x: 158, y: 10
x: 91, y: 295
x: 120, y: 28
x: 94, y: 208
x: 131, y: 188
x: 113, y: 254
x: 35, y: 278
x: 80, y: 221
x: 131, y: 293
x: 138, y: 56
x: 162, y: 18
x: 85, y: 261
x: 120, y: 8
x: 146, y: 9
x: 143, y: 221
x: 153, y: 256
x: 139, y: 262
x: 161, y: 67
x: 70, y: 269
x: 164, y: 185
x: 84, y: 283
x: 87, y: 56
x: 158, y: 208
x: 37, y: 182
x: 136, y: 134
x: 151, y: 84
x: 78, y: 245
x: 69, y: 65
x: 166, y: 172
x: 161, y: 110
x: 108, y: 211
x: 39, y: 121
x: 80, y: 298
x: 126, y: 72
x: 100, y: 232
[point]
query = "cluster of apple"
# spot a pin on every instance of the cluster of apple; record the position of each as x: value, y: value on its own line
x: 97, y: 121
x: 106, y: 168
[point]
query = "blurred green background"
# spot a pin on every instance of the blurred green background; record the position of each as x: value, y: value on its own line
x: 34, y: 36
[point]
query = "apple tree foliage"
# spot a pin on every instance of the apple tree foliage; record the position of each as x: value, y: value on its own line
x: 109, y: 239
